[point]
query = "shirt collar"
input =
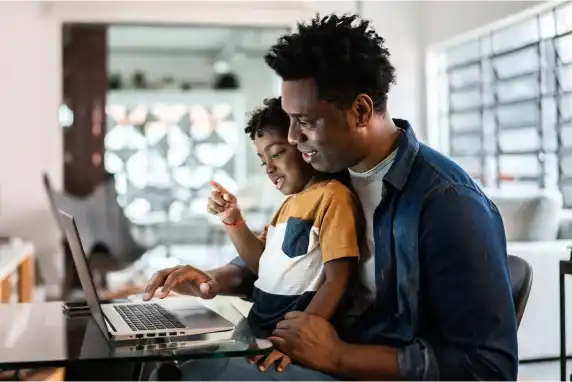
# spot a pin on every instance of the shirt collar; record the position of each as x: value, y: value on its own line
x: 407, y: 149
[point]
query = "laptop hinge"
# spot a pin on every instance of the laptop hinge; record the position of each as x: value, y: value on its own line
x: 108, y: 321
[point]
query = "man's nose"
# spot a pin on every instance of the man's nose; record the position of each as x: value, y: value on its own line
x: 295, y: 134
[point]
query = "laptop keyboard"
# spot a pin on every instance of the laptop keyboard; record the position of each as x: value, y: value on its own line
x: 148, y: 317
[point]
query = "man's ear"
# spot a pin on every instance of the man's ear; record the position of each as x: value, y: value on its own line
x: 363, y: 110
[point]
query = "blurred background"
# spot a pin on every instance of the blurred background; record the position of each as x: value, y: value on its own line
x: 122, y: 112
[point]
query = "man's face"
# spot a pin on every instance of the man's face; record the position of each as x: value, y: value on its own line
x: 327, y: 136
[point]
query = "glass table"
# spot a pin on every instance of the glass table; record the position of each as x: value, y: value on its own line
x: 40, y: 335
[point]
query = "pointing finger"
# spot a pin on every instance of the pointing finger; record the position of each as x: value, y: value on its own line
x: 219, y: 188
x: 217, y: 199
x: 226, y: 195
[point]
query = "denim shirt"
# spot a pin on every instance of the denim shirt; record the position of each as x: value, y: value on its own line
x: 443, y: 289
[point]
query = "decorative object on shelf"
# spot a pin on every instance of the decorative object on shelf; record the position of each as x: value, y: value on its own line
x: 168, y: 82
x: 115, y: 81
x: 139, y: 80
x: 227, y: 81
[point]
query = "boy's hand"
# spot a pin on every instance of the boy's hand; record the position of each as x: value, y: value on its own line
x: 275, y: 356
x: 223, y: 204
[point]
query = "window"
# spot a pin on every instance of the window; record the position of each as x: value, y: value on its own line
x: 507, y: 103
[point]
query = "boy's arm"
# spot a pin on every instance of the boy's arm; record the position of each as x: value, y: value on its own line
x: 330, y: 294
x: 340, y: 224
x: 247, y: 244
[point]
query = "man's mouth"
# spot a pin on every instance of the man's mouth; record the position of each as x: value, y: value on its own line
x: 308, y: 155
x: 279, y: 182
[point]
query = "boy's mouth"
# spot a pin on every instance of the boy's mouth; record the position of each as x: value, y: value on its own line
x: 279, y: 183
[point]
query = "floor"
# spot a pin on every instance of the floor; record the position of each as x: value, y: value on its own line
x: 542, y: 371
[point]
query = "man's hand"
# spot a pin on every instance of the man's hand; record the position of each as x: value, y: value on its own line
x: 182, y: 279
x: 271, y: 358
x: 309, y: 339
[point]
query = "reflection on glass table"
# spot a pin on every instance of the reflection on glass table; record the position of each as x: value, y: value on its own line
x: 49, y: 338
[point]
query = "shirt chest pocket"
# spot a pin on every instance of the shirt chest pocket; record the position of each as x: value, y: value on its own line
x: 297, y: 237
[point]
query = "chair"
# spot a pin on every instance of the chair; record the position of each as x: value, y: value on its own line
x: 521, y: 283
x: 104, y: 229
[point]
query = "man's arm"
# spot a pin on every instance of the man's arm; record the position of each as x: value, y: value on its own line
x: 236, y: 270
x: 466, y: 289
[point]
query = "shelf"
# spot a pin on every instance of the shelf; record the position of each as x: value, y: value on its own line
x: 520, y: 178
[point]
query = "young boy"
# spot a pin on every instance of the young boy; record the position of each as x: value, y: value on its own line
x: 305, y: 257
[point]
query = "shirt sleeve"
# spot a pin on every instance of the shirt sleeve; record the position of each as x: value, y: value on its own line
x: 248, y: 278
x: 466, y: 288
x: 339, y: 225
x: 262, y: 236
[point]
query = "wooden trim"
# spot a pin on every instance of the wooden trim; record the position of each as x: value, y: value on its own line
x: 6, y: 289
x: 26, y: 280
x: 44, y: 375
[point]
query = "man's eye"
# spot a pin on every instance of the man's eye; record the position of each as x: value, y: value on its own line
x: 307, y: 124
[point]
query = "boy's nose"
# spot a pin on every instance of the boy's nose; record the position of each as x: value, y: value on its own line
x: 270, y: 168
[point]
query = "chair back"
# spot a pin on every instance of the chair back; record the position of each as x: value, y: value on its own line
x: 521, y: 283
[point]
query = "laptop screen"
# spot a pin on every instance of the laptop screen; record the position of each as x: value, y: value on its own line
x: 52, y: 201
x: 83, y: 271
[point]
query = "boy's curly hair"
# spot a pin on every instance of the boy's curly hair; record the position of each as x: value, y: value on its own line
x: 269, y: 117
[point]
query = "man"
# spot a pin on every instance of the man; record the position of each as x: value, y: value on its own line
x: 435, y: 299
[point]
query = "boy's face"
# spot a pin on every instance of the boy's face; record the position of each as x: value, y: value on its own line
x: 283, y: 162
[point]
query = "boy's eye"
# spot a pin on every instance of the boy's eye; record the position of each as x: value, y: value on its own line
x: 278, y: 154
x: 263, y: 164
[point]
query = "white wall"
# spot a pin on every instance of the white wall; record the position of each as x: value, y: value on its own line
x: 30, y: 138
x: 443, y: 20
x: 398, y: 23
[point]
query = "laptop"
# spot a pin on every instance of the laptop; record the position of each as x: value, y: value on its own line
x: 133, y: 320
